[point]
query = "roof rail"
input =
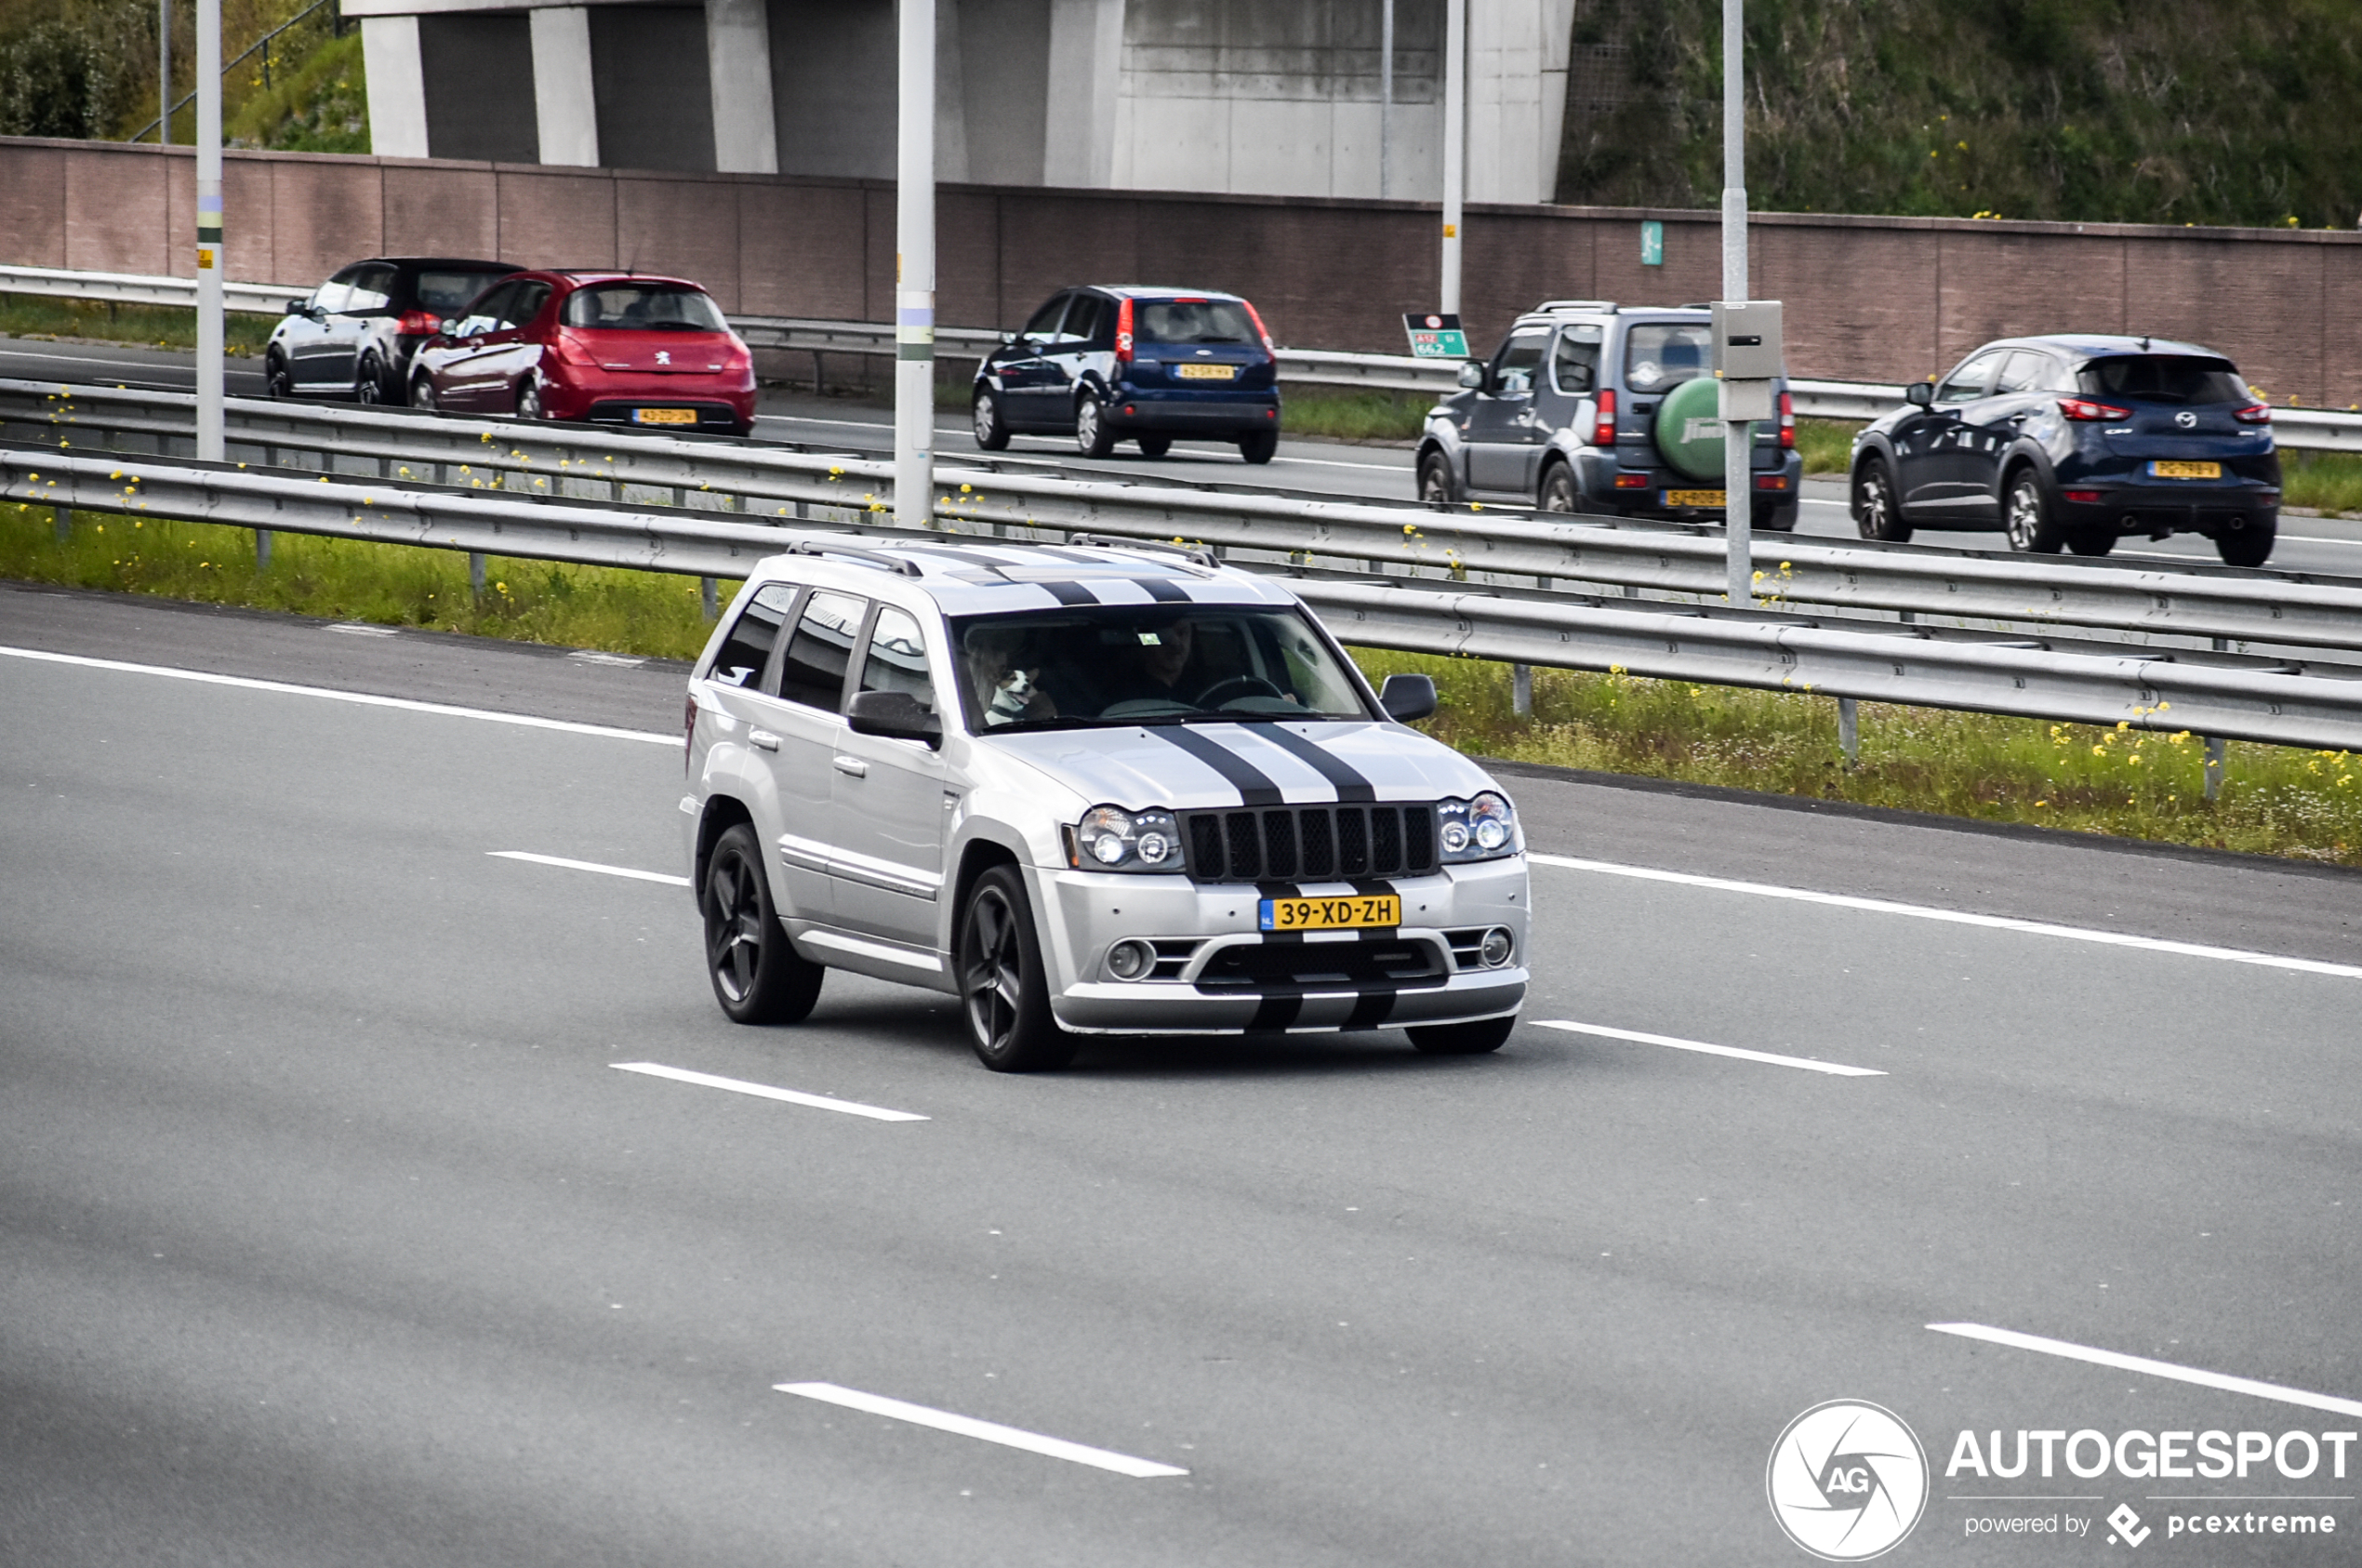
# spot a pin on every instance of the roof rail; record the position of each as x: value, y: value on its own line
x: 901, y: 566
x: 1606, y: 305
x: 1196, y: 552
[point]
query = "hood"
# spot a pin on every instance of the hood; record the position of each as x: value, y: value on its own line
x: 1194, y: 767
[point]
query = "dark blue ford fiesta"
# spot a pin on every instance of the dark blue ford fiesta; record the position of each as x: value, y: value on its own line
x: 2078, y: 442
x: 1108, y: 363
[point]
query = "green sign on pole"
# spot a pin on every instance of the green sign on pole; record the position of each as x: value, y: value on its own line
x: 1651, y: 242
x: 1436, y: 335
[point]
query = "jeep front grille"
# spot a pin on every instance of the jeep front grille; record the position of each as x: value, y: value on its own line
x: 1311, y: 842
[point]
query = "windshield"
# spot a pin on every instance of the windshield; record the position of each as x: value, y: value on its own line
x: 1139, y: 664
x: 644, y: 307
x: 1664, y: 353
x: 2165, y: 378
x: 1192, y: 321
x: 445, y: 290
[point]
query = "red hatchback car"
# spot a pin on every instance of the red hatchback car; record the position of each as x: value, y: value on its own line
x: 614, y: 348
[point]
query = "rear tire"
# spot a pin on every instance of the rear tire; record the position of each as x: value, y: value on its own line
x: 2252, y: 546
x: 1005, y: 991
x: 757, y: 976
x: 2091, y: 541
x: 1878, y: 510
x: 1437, y: 486
x: 276, y: 381
x: 1258, y: 446
x: 369, y: 388
x: 1557, y: 492
x: 1779, y: 520
x: 1155, y: 445
x: 1464, y: 1039
x: 2028, y: 518
x: 1092, y: 436
x: 991, y: 429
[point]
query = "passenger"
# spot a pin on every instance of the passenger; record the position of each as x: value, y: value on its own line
x: 1005, y: 685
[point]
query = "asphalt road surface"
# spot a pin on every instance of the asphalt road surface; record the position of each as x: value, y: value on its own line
x: 2307, y: 544
x: 335, y: 1234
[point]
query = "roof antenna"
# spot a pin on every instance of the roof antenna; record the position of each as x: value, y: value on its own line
x: 2145, y: 342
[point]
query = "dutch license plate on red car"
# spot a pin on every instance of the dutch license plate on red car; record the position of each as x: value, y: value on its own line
x: 664, y: 416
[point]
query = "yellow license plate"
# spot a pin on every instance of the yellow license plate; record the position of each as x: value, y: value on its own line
x: 2186, y: 470
x: 1694, y: 497
x: 1331, y: 914
x: 1206, y: 372
x: 665, y: 415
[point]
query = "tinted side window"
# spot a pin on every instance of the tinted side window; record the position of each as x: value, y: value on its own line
x: 371, y: 289
x: 1521, y: 357
x: 444, y: 291
x: 1083, y: 321
x: 748, y: 647
x: 1575, y: 362
x: 2026, y: 371
x: 490, y: 311
x: 1045, y: 320
x: 522, y: 303
x: 897, y: 660
x: 1972, y: 381
x: 331, y: 294
x: 813, y: 670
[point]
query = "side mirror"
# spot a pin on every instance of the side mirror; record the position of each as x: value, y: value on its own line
x: 299, y: 307
x: 1008, y: 337
x: 1406, y: 697
x: 895, y: 715
x: 1472, y: 374
x: 1920, y: 395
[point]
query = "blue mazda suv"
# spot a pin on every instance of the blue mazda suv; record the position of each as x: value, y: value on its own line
x: 2076, y: 442
x: 1111, y: 364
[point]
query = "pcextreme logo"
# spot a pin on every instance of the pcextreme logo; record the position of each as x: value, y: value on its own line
x: 1847, y: 1480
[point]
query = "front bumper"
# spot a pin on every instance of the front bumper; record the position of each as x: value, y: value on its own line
x: 1217, y: 974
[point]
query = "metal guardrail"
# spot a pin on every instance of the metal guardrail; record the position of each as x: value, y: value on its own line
x: 2297, y: 429
x: 595, y: 464
x: 2216, y: 696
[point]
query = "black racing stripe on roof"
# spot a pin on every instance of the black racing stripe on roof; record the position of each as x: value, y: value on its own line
x: 1068, y: 592
x: 1350, y: 782
x: 1164, y: 590
x: 1254, y: 785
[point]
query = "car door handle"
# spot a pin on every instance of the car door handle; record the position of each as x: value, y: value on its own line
x: 762, y: 738
x: 852, y: 765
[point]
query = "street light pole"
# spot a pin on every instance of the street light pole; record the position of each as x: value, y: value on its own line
x: 914, y: 273
x: 1456, y: 144
x: 1385, y: 99
x: 210, y: 257
x: 1738, y: 435
x: 163, y: 72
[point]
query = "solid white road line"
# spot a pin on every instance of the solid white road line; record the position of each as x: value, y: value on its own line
x: 764, y: 1091
x: 364, y: 699
x: 1956, y: 917
x: 1835, y: 1069
x: 987, y: 1431
x: 664, y: 877
x: 2155, y: 1369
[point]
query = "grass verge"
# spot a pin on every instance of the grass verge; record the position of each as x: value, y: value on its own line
x: 161, y: 326
x: 2274, y: 801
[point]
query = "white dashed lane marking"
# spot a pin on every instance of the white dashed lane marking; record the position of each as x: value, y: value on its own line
x: 560, y: 860
x: 2036, y: 1343
x: 765, y: 1090
x: 985, y: 1432
x: 1836, y: 1069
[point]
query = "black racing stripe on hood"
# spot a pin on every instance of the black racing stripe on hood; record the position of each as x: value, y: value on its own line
x: 1351, y: 783
x: 1254, y: 785
x: 1275, y: 1013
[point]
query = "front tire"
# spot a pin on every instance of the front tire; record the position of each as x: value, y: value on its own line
x: 1464, y: 1039
x: 2029, y: 519
x: 422, y: 395
x: 984, y: 418
x: 757, y: 976
x: 1005, y: 991
x: 2252, y: 546
x: 1558, y: 489
x: 530, y: 401
x: 1436, y: 484
x: 1092, y: 436
x: 1878, y: 510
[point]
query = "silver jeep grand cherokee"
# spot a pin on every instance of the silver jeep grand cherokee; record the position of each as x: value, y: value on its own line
x: 1097, y: 789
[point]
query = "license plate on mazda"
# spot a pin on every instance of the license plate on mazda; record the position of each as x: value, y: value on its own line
x: 1362, y: 911
x: 664, y: 416
x: 1206, y: 372
x: 1694, y: 497
x: 2185, y: 470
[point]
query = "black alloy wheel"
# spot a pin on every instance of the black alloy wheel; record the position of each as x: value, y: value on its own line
x: 1005, y: 994
x: 1436, y: 487
x: 369, y: 382
x: 1557, y: 489
x: 2250, y: 546
x: 2029, y: 519
x: 422, y: 393
x: 1258, y: 446
x: 1877, y: 512
x: 1155, y: 445
x: 758, y: 977
x: 992, y: 430
x: 276, y: 381
x: 1464, y: 1039
x: 1092, y: 436
x: 530, y: 401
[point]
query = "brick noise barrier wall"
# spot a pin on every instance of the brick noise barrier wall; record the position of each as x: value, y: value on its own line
x: 1868, y: 299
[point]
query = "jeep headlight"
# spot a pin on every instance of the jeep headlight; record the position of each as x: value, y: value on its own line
x: 1482, y: 827
x: 1112, y: 839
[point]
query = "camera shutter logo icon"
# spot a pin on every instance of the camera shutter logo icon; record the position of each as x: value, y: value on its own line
x: 1847, y: 1481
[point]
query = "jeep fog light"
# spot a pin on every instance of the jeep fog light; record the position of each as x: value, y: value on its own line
x: 1129, y: 960
x: 1496, y: 947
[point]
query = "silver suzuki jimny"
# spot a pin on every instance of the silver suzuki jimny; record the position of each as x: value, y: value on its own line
x: 1096, y: 789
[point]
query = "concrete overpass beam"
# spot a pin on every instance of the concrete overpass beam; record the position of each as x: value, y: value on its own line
x: 397, y: 86
x: 746, y: 137
x: 565, y: 104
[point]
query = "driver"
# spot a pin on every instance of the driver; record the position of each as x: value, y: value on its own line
x: 1165, y: 660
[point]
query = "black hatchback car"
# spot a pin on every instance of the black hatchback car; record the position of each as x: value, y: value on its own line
x: 2078, y: 442
x: 356, y: 334
x: 1116, y: 363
